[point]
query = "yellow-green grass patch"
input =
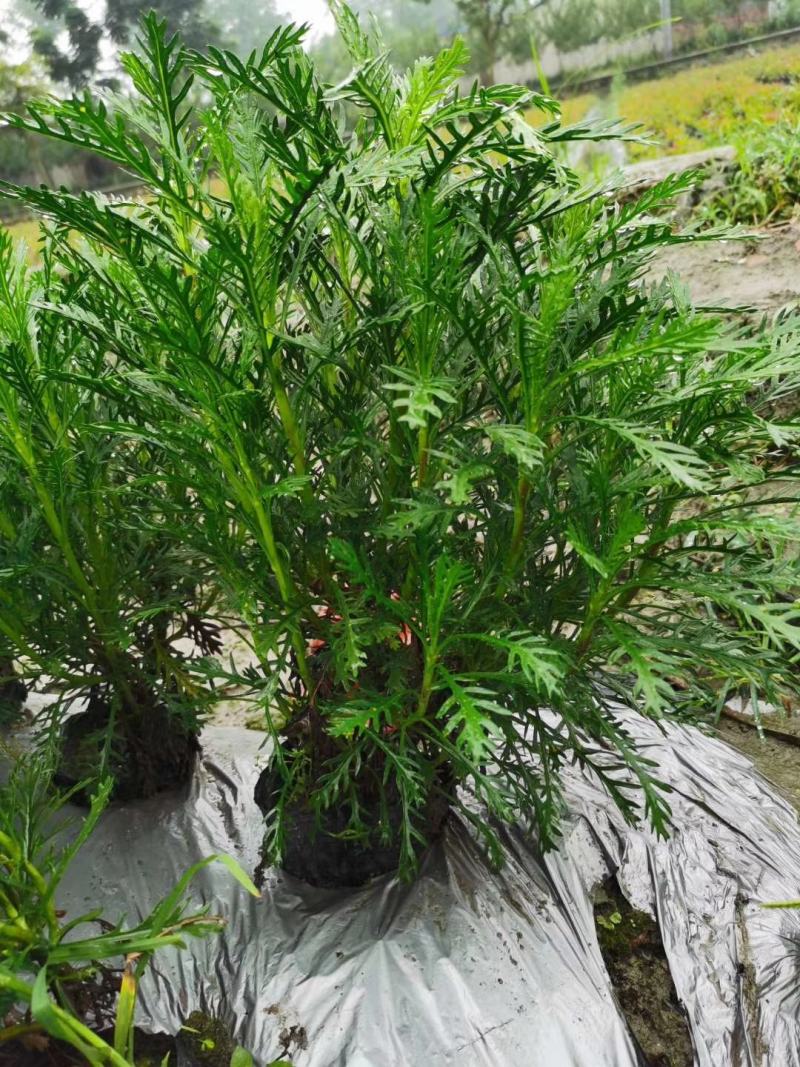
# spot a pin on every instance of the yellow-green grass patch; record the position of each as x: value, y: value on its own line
x: 706, y: 105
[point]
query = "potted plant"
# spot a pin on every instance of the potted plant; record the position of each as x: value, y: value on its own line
x: 466, y: 474
x: 93, y: 596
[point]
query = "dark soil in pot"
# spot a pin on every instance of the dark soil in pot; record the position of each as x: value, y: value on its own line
x: 13, y: 692
x: 316, y: 855
x: 150, y: 753
x: 40, y: 1050
x: 202, y: 1041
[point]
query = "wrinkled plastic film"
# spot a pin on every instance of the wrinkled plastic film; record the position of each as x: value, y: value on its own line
x: 466, y: 965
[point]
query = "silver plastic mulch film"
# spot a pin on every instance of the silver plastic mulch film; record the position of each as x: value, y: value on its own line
x: 469, y: 966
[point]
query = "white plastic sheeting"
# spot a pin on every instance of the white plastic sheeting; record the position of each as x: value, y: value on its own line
x: 469, y: 966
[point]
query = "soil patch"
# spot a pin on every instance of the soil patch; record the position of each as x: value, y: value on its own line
x: 39, y: 1050
x: 634, y: 955
x: 205, y: 1042
x: 773, y: 758
x: 201, y: 1042
x: 762, y: 274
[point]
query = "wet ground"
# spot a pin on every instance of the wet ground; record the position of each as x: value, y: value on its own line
x: 775, y: 759
x: 634, y: 956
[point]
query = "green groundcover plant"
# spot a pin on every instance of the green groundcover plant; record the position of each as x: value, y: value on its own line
x: 75, y: 980
x: 765, y: 186
x: 464, y: 472
x: 89, y: 596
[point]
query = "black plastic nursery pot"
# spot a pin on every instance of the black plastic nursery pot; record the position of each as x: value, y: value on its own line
x: 150, y: 751
x: 315, y: 850
x: 13, y: 691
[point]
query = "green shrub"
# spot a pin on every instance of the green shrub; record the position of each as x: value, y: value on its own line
x: 464, y: 473
x: 91, y: 596
x: 766, y: 185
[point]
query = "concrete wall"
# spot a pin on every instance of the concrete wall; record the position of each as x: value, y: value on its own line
x: 591, y: 57
x: 604, y: 54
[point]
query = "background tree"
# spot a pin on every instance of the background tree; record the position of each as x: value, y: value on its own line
x: 572, y: 24
x: 77, y: 60
x: 21, y: 156
x: 487, y: 23
x: 495, y: 28
x: 569, y: 25
x: 245, y: 26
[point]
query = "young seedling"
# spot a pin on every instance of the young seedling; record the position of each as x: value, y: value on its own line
x: 45, y: 969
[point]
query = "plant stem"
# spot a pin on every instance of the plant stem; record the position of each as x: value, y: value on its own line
x: 518, y: 530
x: 423, y: 451
x: 8, y: 1033
x: 65, y: 1026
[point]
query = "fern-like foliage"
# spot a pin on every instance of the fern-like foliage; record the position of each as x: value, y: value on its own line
x: 464, y: 472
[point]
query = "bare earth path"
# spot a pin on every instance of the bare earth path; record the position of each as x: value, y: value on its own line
x: 762, y: 274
